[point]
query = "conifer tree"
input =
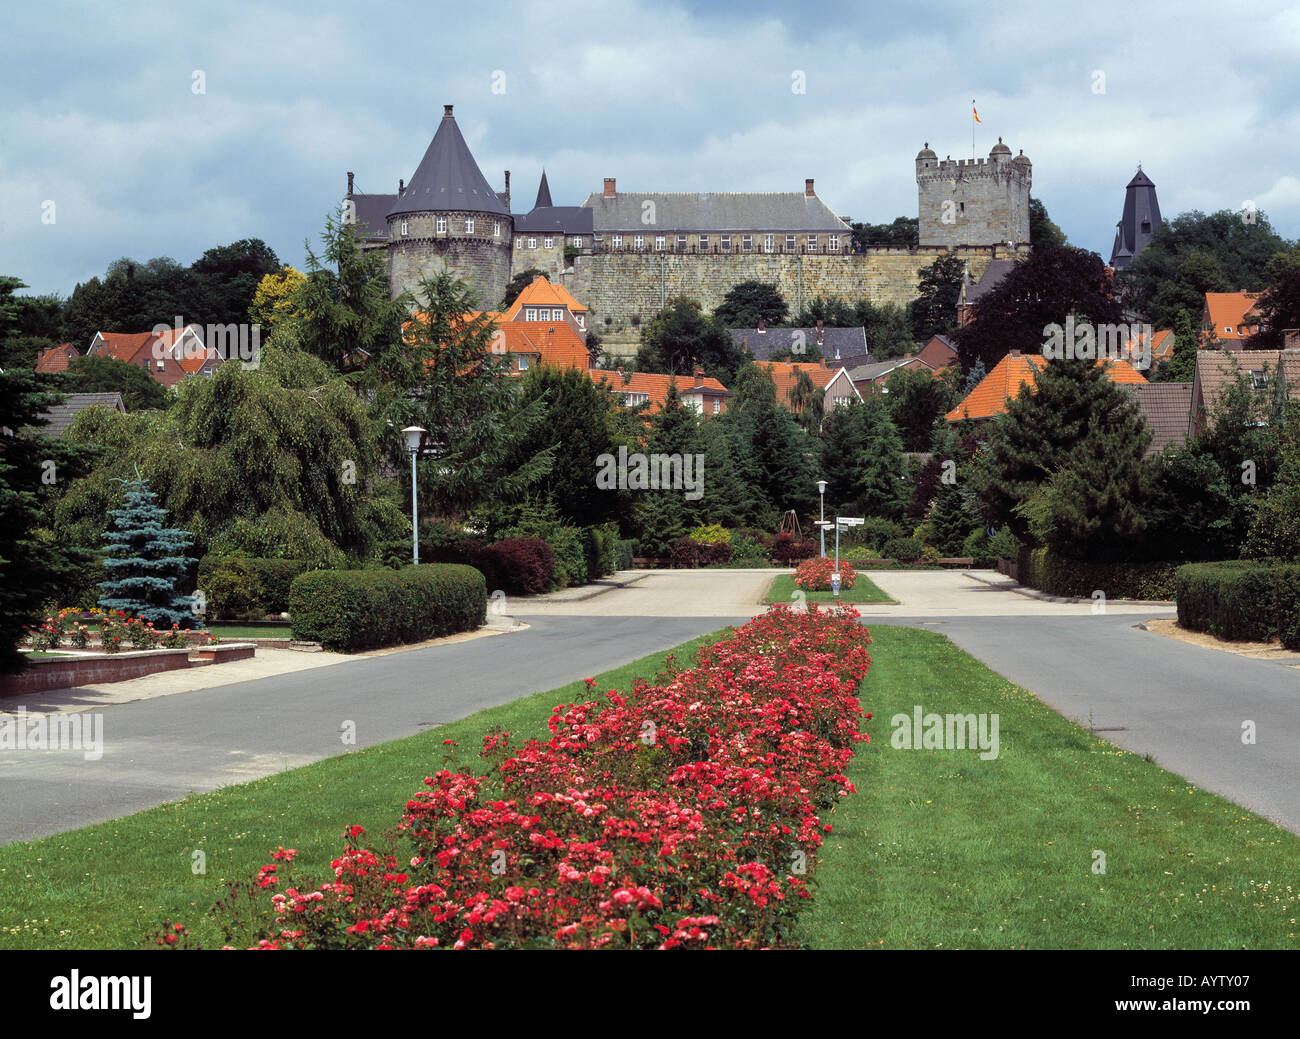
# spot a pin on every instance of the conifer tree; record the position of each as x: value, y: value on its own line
x: 145, y: 559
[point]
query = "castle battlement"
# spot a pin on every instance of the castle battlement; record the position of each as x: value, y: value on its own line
x: 973, y: 202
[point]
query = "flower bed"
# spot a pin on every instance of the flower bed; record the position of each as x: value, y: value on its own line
x: 680, y: 814
x: 814, y: 575
x: 111, y: 629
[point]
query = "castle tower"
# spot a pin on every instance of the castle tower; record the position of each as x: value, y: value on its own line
x: 1140, y: 219
x: 973, y: 201
x: 448, y: 218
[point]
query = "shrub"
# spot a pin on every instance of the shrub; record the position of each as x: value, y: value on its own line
x: 248, y: 587
x: 1042, y: 569
x: 521, y: 566
x: 814, y: 575
x: 711, y: 534
x: 351, y: 610
x: 624, y: 551
x: 689, y: 553
x: 1257, y: 601
x: 788, y: 550
x: 747, y: 551
x: 599, y: 541
x: 904, y: 550
x: 876, y: 531
x: 979, y: 547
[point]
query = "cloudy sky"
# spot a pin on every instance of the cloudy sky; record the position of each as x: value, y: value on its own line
x: 103, y: 114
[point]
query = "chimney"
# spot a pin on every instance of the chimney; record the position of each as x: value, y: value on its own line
x: 349, y: 183
x: 808, y: 188
x: 610, y: 192
x: 401, y: 186
x: 446, y: 111
x: 1014, y: 353
x: 699, y: 377
x: 506, y: 199
x: 762, y: 327
x: 1291, y: 339
x: 820, y: 332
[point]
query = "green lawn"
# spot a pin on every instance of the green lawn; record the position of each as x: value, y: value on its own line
x: 943, y: 849
x: 863, y: 591
x: 250, y: 631
x: 937, y: 848
x: 106, y: 886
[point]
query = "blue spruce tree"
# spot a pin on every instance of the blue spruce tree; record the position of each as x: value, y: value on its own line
x: 145, y: 560
x: 975, y: 376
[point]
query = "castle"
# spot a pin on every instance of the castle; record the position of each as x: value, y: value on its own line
x: 625, y: 254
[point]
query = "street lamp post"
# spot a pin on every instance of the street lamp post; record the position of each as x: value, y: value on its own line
x: 414, y: 435
x: 821, y: 490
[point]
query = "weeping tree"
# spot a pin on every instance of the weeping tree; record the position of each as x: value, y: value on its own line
x: 146, y: 560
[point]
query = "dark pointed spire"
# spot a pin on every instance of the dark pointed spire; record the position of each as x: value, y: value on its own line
x: 543, y: 194
x: 1140, y: 219
x: 448, y: 177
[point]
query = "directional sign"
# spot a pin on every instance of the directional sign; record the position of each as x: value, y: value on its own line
x: 850, y: 521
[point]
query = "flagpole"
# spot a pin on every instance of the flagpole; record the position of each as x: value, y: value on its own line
x: 972, y: 129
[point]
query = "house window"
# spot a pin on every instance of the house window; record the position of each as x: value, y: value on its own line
x: 717, y: 406
x: 634, y: 398
x: 789, y: 243
x: 442, y: 225
x: 496, y: 228
x: 1258, y: 380
x: 549, y: 243
x: 530, y: 314
x: 532, y: 243
x: 523, y: 364
x: 835, y: 243
x: 747, y: 242
x: 469, y: 225
x: 582, y: 321
x: 616, y: 241
x: 768, y: 243
x: 577, y: 242
x: 639, y: 241
x: 1228, y: 329
x: 659, y: 242
x: 681, y: 243
x: 726, y: 243
x: 403, y: 227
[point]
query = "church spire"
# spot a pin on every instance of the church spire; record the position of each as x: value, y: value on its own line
x: 1137, y: 224
x: 543, y: 194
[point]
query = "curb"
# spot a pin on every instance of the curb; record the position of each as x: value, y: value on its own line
x: 1034, y: 593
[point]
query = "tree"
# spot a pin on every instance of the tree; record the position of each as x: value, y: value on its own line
x: 862, y: 461
x: 1275, y: 514
x: 96, y: 373
x: 779, y: 450
x: 347, y: 314
x: 950, y: 521
x: 807, y: 401
x: 1043, y: 233
x: 518, y: 283
x: 275, y: 299
x: 887, y: 329
x: 145, y: 560
x: 934, y: 311
x: 976, y: 375
x: 1195, y: 253
x: 1181, y: 366
x: 749, y: 302
x: 832, y: 311
x: 1044, y: 289
x: 228, y: 278
x: 917, y: 398
x: 33, y: 568
x: 904, y: 231
x: 663, y: 515
x: 1279, y: 305
x: 681, y: 337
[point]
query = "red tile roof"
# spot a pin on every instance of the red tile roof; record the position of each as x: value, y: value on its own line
x: 655, y: 387
x: 57, y: 358
x: 1013, y: 373
x: 1226, y: 312
x: 541, y: 293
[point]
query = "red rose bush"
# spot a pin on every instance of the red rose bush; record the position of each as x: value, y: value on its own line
x: 681, y: 814
x: 814, y: 575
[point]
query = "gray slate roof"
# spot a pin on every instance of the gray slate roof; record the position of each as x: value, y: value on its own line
x: 558, y: 220
x: 877, y: 369
x: 993, y: 273
x: 849, y: 342
x: 1140, y: 206
x: 372, y: 211
x: 448, y: 178
x: 1167, y: 408
x: 714, y: 211
x: 61, y: 416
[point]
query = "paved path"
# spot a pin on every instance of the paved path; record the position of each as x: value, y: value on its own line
x: 1183, y: 704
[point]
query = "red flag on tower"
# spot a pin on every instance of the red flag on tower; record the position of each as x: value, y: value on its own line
x: 975, y: 112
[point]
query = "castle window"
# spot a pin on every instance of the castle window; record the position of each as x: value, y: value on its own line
x: 577, y: 242
x: 962, y: 206
x: 835, y: 243
x: 726, y: 243
x: 639, y: 241
x: 789, y: 243
x: 704, y: 243
x: 616, y: 241
x: 768, y: 243
x: 469, y: 225
x: 812, y: 243
x: 442, y: 225
x: 681, y: 243
x: 747, y: 242
x: 530, y: 314
x: 532, y: 243
x: 496, y: 228
x: 659, y: 242
x: 403, y: 227
x: 549, y: 243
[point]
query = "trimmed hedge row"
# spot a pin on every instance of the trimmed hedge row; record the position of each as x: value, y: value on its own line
x: 351, y: 610
x: 1039, y: 568
x: 1243, y: 600
x: 247, y: 587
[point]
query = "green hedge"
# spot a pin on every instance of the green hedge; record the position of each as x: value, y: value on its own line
x: 351, y: 610
x: 1039, y: 568
x: 247, y: 587
x: 624, y: 551
x: 1244, y: 600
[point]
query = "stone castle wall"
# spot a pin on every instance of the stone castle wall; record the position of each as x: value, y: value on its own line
x: 973, y: 202
x: 481, y: 257
x: 618, y: 287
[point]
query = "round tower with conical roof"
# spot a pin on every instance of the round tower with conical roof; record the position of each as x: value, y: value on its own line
x: 449, y: 218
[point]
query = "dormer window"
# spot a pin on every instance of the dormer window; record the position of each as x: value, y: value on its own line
x: 1258, y: 380
x: 523, y: 364
x: 530, y: 314
x: 582, y: 321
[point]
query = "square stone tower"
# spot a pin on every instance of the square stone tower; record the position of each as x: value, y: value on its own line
x: 974, y: 201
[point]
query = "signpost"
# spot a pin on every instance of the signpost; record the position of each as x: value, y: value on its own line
x: 842, y: 523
